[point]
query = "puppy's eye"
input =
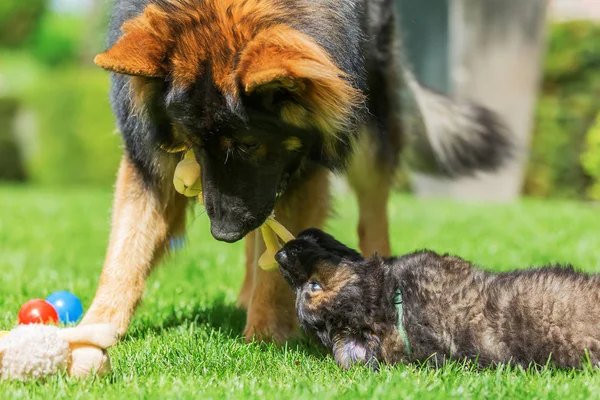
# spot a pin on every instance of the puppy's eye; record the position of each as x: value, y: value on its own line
x: 314, y: 286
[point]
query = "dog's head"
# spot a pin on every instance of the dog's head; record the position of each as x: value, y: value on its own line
x: 338, y: 295
x: 256, y: 98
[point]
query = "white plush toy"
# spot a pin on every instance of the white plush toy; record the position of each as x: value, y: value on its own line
x: 35, y: 351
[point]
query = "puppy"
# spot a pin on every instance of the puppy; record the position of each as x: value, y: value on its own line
x: 429, y: 307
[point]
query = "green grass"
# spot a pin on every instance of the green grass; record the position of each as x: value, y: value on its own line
x: 184, y: 341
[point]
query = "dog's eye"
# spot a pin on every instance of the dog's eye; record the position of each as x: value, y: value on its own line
x: 248, y: 146
x: 280, y: 97
x: 314, y: 286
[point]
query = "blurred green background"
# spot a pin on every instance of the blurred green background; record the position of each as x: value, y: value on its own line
x: 56, y: 127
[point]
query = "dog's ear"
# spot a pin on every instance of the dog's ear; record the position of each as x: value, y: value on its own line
x: 351, y: 350
x: 142, y: 48
x: 296, y: 77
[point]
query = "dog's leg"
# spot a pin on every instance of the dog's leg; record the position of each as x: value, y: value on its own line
x: 271, y: 312
x: 271, y: 308
x: 246, y: 291
x: 373, y: 220
x: 370, y: 178
x: 144, y: 216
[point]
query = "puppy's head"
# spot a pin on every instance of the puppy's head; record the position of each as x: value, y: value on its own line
x: 337, y: 295
x: 254, y: 97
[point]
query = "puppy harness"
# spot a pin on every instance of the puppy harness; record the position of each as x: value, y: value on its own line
x: 401, y: 330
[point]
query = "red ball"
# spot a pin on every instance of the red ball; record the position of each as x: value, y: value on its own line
x: 37, y: 311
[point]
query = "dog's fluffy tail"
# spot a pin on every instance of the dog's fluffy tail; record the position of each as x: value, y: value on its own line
x: 453, y: 138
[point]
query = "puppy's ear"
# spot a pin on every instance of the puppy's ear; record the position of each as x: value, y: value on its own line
x: 376, y: 260
x: 142, y: 48
x: 296, y: 78
x: 330, y: 244
x: 351, y: 350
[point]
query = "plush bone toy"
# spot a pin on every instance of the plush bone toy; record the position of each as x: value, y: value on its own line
x: 36, y: 351
x: 188, y: 182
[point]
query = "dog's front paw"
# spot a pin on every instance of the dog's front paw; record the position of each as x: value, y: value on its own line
x: 87, y: 360
x: 270, y: 329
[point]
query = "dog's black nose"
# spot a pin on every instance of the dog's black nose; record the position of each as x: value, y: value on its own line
x: 281, y: 257
x: 231, y: 235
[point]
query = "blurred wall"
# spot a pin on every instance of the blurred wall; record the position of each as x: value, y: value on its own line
x: 426, y: 44
x: 494, y: 58
x: 566, y: 10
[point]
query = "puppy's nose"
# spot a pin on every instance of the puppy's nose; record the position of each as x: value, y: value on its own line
x: 281, y: 257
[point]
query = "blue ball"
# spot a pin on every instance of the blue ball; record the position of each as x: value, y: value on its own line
x: 67, y: 305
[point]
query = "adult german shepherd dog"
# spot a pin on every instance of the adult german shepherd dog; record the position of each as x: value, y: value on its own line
x: 271, y: 95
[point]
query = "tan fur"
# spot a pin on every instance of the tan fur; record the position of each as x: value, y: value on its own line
x: 392, y: 345
x: 141, y: 91
x: 178, y: 142
x: 292, y: 144
x: 271, y: 309
x: 371, y: 184
x: 141, y: 50
x: 226, y: 143
x: 259, y: 60
x: 141, y: 224
x: 332, y: 278
x: 206, y: 31
x: 294, y: 61
x: 246, y: 290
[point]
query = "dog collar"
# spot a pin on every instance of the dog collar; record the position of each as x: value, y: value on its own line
x: 401, y: 330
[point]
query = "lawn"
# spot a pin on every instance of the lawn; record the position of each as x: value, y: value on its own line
x: 184, y: 341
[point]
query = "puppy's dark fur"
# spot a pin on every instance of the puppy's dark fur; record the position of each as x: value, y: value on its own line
x: 451, y: 309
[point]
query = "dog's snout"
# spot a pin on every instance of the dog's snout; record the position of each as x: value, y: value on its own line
x: 227, y: 229
x: 227, y: 235
x: 230, y: 222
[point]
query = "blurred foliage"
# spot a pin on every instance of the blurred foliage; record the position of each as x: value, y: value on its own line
x: 18, y: 20
x: 11, y: 161
x: 58, y: 39
x: 76, y: 143
x: 568, y: 105
x: 64, y: 124
x: 590, y: 159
